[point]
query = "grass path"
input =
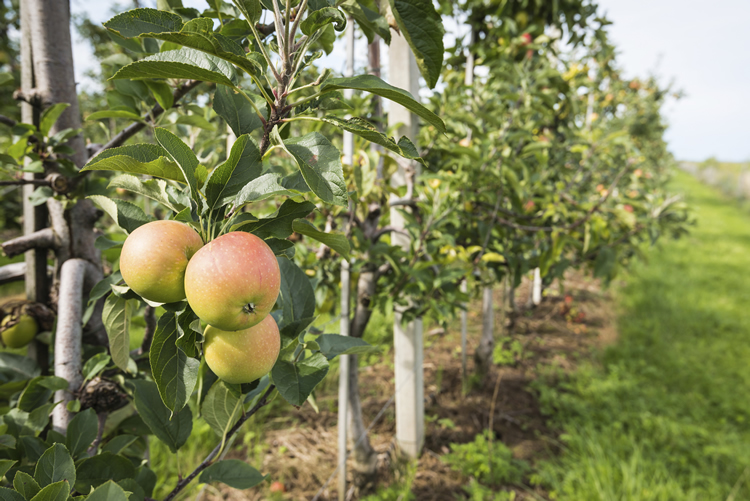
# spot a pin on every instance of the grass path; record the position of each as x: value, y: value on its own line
x: 664, y: 413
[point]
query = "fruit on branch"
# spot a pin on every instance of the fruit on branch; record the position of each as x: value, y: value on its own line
x: 154, y: 259
x: 242, y: 356
x: 20, y: 334
x: 232, y: 283
x: 526, y: 39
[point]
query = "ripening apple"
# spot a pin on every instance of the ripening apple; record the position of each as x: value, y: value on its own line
x: 232, y: 283
x: 526, y: 39
x: 154, y: 258
x: 20, y: 334
x: 242, y: 356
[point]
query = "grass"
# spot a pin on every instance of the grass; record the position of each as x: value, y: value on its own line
x: 664, y: 413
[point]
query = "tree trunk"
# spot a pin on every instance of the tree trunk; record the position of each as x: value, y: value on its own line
x: 48, y: 29
x: 365, y: 457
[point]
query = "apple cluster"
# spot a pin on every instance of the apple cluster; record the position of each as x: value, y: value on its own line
x: 231, y: 283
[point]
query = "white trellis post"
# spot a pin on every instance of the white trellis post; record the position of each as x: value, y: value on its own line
x: 343, y: 418
x: 407, y: 338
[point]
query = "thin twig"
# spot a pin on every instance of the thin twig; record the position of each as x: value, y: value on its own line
x: 209, y: 459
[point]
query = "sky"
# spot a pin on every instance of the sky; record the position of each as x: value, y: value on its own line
x: 700, y: 48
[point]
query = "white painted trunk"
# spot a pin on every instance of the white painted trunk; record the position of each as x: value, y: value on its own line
x: 536, y: 288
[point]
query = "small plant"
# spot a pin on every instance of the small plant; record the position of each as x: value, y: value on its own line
x: 488, y: 461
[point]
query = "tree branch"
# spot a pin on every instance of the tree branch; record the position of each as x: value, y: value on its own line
x: 210, y: 458
x: 7, y: 121
x: 132, y: 129
x: 15, y: 272
x: 42, y: 239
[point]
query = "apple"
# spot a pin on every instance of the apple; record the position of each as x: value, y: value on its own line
x: 277, y: 487
x: 154, y: 258
x: 526, y: 39
x: 242, y: 356
x: 232, y: 283
x: 20, y: 334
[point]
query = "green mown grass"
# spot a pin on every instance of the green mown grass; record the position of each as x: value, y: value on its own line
x: 664, y: 413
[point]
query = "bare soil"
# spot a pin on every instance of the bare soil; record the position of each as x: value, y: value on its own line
x: 300, y: 449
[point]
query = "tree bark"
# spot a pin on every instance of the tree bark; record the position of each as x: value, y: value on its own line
x: 365, y: 457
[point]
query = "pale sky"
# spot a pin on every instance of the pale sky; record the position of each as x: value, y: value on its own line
x: 701, y: 47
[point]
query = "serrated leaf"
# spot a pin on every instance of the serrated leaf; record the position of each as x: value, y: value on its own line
x: 320, y: 164
x: 182, y: 155
x: 366, y: 130
x: 137, y: 21
x: 10, y: 495
x: 230, y: 105
x: 296, y: 382
x: 422, y: 26
x: 218, y: 187
x: 370, y: 21
x: 195, y: 121
x: 161, y: 92
x: 150, y: 159
x: 252, y: 9
x: 25, y: 485
x: 174, y: 372
x: 128, y: 216
x: 104, y: 467
x: 54, y: 466
x: 232, y: 472
x: 116, y: 318
x: 105, y: 114
x: 50, y: 116
x: 95, y: 365
x: 261, y: 188
x: 81, y: 432
x: 5, y: 465
x: 58, y: 491
x: 184, y: 63
x: 322, y: 17
x: 108, y: 491
x: 336, y: 241
x: 222, y: 407
x: 173, y: 432
x: 297, y: 295
x: 278, y: 225
x: 374, y: 85
x: 333, y: 345
x: 39, y: 390
x: 155, y: 189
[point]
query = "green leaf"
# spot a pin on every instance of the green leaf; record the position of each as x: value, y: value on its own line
x: 119, y: 443
x: 161, y: 92
x: 108, y: 491
x: 279, y: 225
x: 323, y: 17
x: 336, y: 241
x: 5, y: 465
x: 333, y: 345
x: 94, y: 365
x: 232, y: 472
x: 230, y: 105
x: 10, y: 495
x: 105, y: 114
x: 297, y: 381
x: 266, y: 186
x: 99, y: 469
x: 81, y: 432
x: 422, y: 27
x: 195, y: 121
x: 39, y: 390
x: 173, y: 432
x: 41, y: 195
x: 174, y: 372
x: 50, y: 116
x: 116, y: 318
x: 55, y: 465
x: 320, y: 164
x: 19, y: 366
x: 184, y: 63
x: 297, y: 295
x: 137, y: 21
x: 25, y: 484
x: 182, y: 154
x: 374, y: 85
x: 370, y: 21
x: 128, y: 216
x: 155, y: 189
x: 220, y: 185
x: 251, y: 9
x: 222, y: 407
x: 58, y: 491
x: 150, y: 159
x: 5, y: 78
x: 366, y: 130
